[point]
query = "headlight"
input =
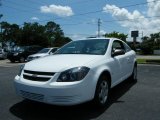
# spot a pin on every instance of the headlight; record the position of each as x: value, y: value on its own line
x: 74, y: 74
x: 37, y: 57
x: 21, y: 68
x: 15, y: 54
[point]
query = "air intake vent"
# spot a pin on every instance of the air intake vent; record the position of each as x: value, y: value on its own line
x: 39, y: 73
x: 32, y: 96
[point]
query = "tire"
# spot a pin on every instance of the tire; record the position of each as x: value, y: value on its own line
x: 12, y: 61
x: 102, y: 92
x: 21, y: 59
x: 134, y: 74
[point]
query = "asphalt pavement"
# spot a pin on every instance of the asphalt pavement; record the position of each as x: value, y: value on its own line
x: 128, y: 101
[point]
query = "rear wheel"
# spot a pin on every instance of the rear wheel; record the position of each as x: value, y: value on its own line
x: 102, y: 91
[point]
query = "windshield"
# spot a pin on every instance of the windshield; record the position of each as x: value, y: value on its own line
x: 93, y: 47
x: 19, y: 49
x: 45, y: 50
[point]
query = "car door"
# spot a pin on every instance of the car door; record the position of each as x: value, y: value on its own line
x: 130, y: 59
x: 119, y: 61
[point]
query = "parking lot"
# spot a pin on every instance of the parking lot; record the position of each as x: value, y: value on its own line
x: 7, y: 63
x: 128, y: 101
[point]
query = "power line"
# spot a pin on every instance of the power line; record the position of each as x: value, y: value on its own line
x: 92, y: 12
x: 97, y: 11
x: 74, y: 2
x: 25, y: 11
x: 15, y: 3
x: 36, y: 2
x: 131, y: 20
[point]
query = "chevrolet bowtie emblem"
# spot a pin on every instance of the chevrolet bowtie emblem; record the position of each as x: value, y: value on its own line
x: 34, y: 75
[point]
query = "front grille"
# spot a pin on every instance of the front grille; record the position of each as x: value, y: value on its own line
x: 33, y: 96
x: 33, y: 78
x: 37, y: 75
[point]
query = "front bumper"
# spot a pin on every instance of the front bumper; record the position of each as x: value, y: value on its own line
x: 56, y: 94
x: 12, y: 57
x: 1, y: 55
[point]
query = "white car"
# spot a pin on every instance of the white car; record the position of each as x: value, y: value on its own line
x: 42, y: 53
x: 80, y: 71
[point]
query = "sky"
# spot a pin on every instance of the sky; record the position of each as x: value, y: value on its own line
x: 79, y: 18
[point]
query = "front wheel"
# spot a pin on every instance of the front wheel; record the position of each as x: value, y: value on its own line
x: 22, y: 59
x: 12, y: 61
x: 134, y: 73
x: 102, y: 92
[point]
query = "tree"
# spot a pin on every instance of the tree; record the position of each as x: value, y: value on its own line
x: 118, y: 35
x: 151, y: 43
x: 147, y: 45
x: 54, y: 33
x: 33, y: 34
x: 9, y: 32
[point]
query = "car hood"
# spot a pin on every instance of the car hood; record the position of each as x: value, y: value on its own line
x: 59, y: 63
x: 39, y: 55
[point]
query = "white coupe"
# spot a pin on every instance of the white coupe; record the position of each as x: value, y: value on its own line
x: 80, y: 71
x: 42, y: 53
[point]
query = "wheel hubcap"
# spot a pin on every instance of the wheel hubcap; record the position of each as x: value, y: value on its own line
x: 103, y: 93
x: 22, y: 59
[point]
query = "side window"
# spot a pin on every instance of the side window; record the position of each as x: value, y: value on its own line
x: 117, y: 45
x: 127, y: 48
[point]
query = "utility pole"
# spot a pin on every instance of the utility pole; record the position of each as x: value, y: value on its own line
x: 1, y: 28
x: 99, y: 25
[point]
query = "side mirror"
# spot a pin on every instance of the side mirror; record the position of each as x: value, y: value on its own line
x: 117, y: 52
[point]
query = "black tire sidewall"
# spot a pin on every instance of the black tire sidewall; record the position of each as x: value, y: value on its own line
x: 133, y: 73
x: 21, y: 59
x: 96, y: 98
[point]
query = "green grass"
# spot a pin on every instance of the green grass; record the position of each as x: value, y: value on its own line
x: 141, y: 61
x: 148, y: 61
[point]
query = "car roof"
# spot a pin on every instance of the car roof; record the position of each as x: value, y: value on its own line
x: 50, y: 47
x: 102, y: 38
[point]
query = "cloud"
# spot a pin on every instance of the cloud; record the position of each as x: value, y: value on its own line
x: 76, y: 36
x: 102, y: 32
x: 136, y: 20
x: 62, y: 11
x: 153, y: 8
x: 35, y: 18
